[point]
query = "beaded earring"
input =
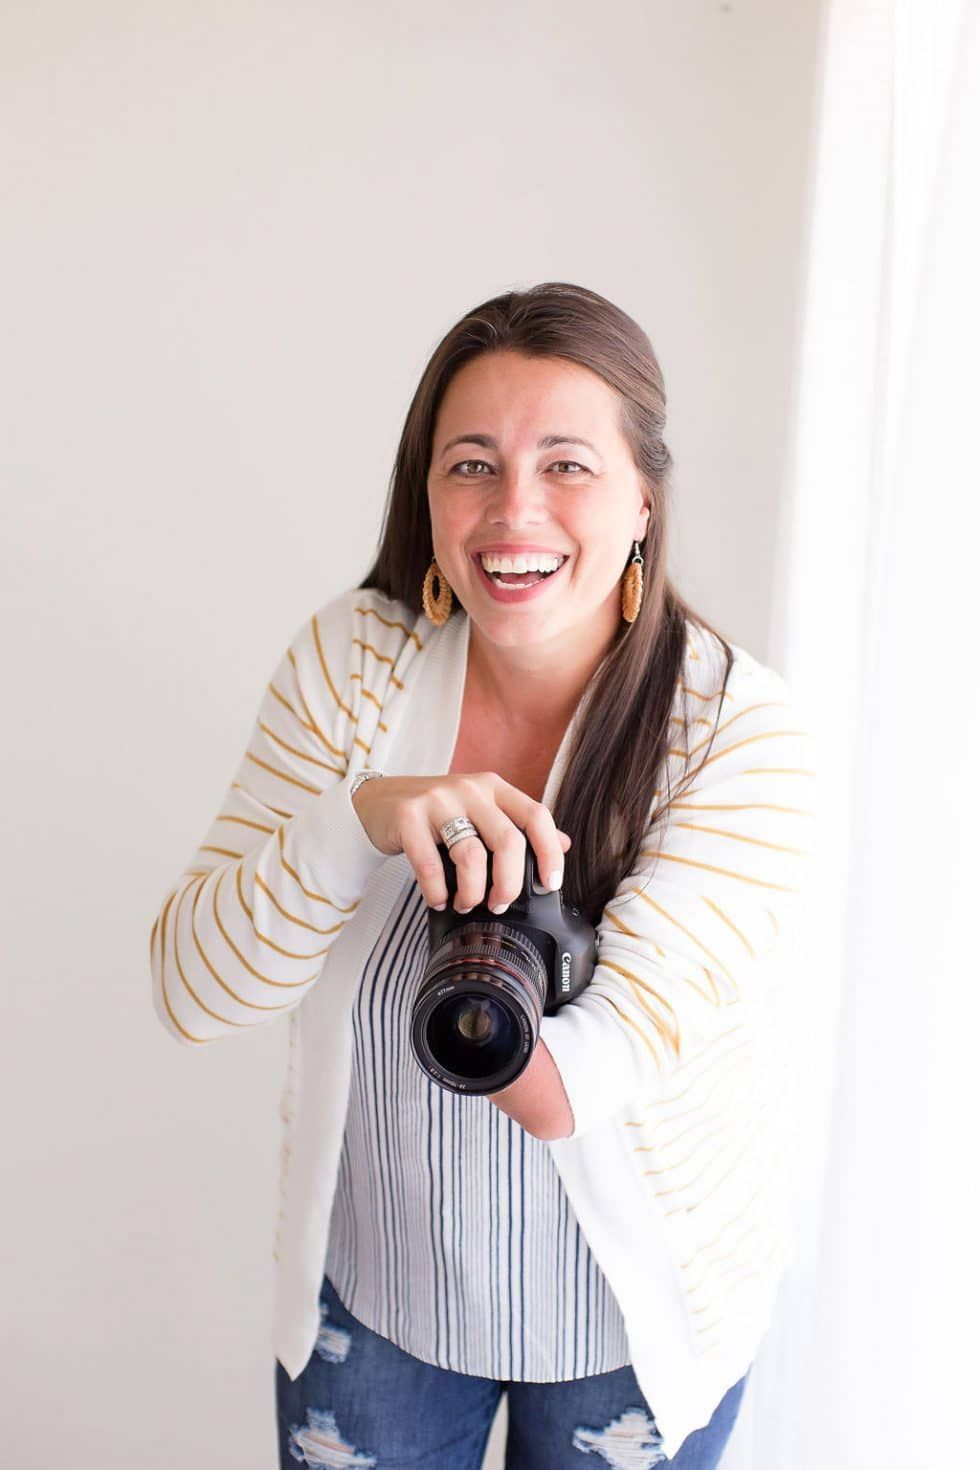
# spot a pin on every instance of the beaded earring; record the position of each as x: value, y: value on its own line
x: 436, y: 608
x: 631, y: 586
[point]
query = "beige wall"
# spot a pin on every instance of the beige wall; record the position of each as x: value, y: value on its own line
x: 232, y: 235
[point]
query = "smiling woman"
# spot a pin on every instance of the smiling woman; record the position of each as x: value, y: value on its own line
x: 585, y: 514
x: 604, y: 1236
x: 556, y: 368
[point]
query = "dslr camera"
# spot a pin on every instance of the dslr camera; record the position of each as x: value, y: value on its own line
x: 489, y: 979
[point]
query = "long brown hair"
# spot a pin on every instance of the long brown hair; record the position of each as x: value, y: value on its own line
x: 619, y: 752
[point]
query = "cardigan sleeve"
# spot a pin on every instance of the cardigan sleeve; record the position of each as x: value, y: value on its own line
x: 682, y: 942
x: 243, y: 933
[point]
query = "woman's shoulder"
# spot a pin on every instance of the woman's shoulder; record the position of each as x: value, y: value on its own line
x: 746, y: 725
x: 365, y: 618
x: 705, y: 659
x: 358, y: 644
x: 747, y: 716
x: 708, y: 687
x: 381, y: 619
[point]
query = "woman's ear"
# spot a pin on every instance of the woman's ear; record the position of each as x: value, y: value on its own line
x: 642, y: 524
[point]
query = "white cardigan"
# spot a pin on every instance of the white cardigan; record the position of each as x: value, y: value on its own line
x: 675, y: 1066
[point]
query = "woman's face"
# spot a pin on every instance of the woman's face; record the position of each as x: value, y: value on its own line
x: 499, y: 489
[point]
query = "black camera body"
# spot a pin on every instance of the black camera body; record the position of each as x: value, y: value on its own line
x: 490, y: 978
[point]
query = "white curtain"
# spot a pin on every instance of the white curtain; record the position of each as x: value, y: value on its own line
x: 873, y: 1359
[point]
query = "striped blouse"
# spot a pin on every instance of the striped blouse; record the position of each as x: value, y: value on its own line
x: 451, y: 1233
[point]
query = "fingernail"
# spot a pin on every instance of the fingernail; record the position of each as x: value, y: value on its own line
x: 554, y: 880
x: 439, y: 906
x: 499, y: 908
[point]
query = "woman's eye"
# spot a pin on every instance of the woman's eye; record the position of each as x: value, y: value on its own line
x: 461, y: 466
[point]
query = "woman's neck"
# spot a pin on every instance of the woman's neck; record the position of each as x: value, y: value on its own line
x: 536, y: 683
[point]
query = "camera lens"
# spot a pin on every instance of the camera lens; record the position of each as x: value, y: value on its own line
x: 478, y: 1008
x: 473, y: 1035
x: 474, y: 1020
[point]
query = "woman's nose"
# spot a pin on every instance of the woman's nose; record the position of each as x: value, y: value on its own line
x: 517, y: 497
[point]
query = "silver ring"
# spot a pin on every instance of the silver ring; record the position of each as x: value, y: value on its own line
x: 455, y: 830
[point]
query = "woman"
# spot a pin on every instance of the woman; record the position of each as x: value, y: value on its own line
x: 603, y: 1238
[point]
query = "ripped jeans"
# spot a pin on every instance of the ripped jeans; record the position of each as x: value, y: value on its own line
x: 363, y: 1404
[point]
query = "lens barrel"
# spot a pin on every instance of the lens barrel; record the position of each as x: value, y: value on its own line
x: 478, y: 1009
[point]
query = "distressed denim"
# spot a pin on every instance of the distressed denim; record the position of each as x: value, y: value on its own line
x: 363, y: 1404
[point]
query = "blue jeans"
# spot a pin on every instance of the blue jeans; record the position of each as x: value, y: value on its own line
x: 363, y: 1404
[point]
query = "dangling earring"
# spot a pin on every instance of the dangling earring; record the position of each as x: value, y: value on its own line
x: 437, y: 609
x: 631, y: 586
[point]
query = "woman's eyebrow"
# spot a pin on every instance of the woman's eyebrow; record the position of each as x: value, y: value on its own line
x: 488, y: 442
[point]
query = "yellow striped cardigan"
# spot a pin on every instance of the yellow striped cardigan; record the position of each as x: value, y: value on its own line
x: 676, y: 1068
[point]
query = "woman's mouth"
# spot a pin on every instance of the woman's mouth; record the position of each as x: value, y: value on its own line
x: 517, y: 586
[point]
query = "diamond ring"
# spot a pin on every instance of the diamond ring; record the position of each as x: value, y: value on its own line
x: 455, y: 830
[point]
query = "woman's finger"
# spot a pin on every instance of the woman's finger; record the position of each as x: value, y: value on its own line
x: 470, y: 855
x: 537, y: 822
x: 420, y: 848
x: 470, y: 858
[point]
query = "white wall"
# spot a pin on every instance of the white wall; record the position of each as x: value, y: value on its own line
x: 232, y: 235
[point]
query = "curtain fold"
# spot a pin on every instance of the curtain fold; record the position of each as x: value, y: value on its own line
x: 872, y: 1357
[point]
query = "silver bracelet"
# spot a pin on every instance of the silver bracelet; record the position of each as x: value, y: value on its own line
x: 359, y: 780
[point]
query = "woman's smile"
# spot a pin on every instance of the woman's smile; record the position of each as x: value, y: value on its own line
x: 509, y: 578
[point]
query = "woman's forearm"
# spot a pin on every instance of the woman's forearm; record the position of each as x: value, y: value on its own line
x: 537, y: 1099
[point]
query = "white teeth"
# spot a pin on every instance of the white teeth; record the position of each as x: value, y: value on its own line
x: 531, y: 562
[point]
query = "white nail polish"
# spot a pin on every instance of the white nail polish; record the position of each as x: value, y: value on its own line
x: 554, y: 881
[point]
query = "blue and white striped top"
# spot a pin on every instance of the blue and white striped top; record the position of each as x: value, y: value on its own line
x: 451, y: 1233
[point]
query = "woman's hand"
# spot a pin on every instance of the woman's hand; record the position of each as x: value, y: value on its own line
x: 404, y: 814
